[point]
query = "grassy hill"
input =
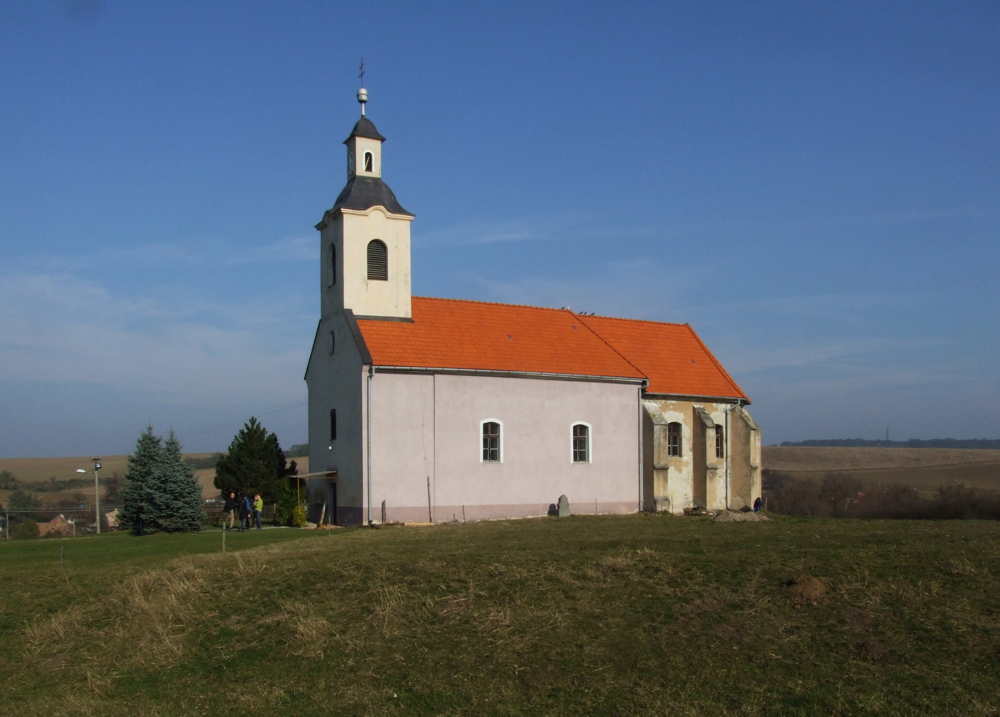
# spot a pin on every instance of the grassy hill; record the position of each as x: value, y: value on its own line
x: 922, y: 468
x: 598, y: 615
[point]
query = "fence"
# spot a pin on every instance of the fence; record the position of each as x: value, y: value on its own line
x: 79, y: 520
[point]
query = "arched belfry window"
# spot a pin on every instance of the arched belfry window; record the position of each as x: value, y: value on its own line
x: 378, y: 261
x: 368, y: 162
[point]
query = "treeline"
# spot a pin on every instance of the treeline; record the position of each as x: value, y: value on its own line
x: 911, y: 443
x: 839, y: 496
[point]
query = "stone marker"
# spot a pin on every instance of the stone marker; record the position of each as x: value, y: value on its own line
x: 564, y: 507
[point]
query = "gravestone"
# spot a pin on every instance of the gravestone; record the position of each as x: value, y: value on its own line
x: 564, y: 507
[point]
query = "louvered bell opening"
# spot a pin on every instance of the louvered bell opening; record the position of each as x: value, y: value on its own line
x: 378, y: 261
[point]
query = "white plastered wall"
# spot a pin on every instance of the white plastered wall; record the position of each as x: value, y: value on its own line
x: 350, y: 232
x: 428, y: 426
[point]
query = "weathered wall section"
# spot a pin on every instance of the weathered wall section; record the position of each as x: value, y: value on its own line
x: 697, y: 477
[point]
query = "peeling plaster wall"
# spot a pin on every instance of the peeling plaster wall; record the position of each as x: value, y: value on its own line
x: 429, y: 426
x: 697, y: 478
x: 745, y: 461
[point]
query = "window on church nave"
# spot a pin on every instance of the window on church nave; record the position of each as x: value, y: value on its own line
x: 491, y: 442
x: 673, y: 439
x: 581, y: 443
x: 368, y: 162
x: 378, y: 261
x: 720, y: 442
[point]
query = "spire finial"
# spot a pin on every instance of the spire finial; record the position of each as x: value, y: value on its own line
x: 362, y: 93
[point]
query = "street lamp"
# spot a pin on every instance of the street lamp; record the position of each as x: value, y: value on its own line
x: 97, y: 493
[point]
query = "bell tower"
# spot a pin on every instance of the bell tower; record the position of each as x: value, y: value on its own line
x: 365, y: 236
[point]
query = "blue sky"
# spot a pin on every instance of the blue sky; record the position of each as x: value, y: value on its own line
x: 813, y: 186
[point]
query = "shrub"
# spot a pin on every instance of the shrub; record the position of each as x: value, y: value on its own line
x: 25, y: 530
x: 298, y: 517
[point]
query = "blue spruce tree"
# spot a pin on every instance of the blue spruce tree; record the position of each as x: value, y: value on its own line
x: 160, y: 485
x: 182, y: 500
x: 140, y: 490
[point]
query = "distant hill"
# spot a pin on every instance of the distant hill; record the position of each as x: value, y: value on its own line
x: 988, y: 443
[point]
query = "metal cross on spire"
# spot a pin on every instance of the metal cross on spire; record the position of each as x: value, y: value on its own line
x: 362, y: 93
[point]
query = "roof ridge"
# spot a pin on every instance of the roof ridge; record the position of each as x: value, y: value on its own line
x: 638, y: 321
x: 494, y: 303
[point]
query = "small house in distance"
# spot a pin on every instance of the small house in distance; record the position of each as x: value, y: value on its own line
x: 442, y: 408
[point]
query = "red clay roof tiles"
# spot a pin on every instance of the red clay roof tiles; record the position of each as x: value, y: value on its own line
x: 450, y: 333
x: 672, y: 356
x: 457, y: 334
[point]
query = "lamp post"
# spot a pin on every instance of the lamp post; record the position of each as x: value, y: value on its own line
x: 97, y: 494
x: 78, y: 470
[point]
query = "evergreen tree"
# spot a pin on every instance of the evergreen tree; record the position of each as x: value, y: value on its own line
x: 255, y: 464
x: 163, y: 485
x: 140, y: 477
x: 182, y: 502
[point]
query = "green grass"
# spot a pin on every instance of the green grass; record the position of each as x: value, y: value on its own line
x: 587, y: 615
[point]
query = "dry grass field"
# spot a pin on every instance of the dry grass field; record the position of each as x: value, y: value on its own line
x: 40, y: 470
x: 922, y: 468
x: 589, y: 615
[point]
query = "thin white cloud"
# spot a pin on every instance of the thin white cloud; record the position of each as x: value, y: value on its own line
x: 59, y: 328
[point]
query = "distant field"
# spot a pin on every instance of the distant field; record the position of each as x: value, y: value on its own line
x: 588, y: 615
x: 37, y: 470
x: 922, y: 468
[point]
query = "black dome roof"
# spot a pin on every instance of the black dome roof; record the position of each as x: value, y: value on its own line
x: 363, y: 193
x: 365, y: 128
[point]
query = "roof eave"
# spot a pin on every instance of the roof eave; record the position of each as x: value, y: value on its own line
x: 514, y: 374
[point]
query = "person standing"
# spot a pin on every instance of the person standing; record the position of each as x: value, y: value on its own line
x: 244, y: 509
x: 230, y: 510
x: 258, y: 509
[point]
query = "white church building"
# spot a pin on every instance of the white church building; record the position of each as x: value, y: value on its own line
x: 424, y: 409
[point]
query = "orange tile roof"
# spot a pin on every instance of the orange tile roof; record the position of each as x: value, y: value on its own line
x: 672, y: 356
x: 458, y: 334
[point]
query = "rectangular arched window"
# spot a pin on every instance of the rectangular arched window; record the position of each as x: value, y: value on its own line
x: 491, y: 442
x: 720, y: 442
x: 673, y: 439
x: 333, y: 424
x: 333, y: 264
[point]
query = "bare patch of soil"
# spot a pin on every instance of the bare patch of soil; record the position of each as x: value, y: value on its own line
x: 859, y: 620
x: 806, y: 588
x: 873, y: 651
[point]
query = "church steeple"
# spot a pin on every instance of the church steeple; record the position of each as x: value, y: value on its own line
x: 366, y: 235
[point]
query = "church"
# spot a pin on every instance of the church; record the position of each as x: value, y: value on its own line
x: 430, y: 410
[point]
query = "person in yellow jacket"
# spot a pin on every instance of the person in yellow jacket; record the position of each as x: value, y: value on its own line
x: 258, y: 509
